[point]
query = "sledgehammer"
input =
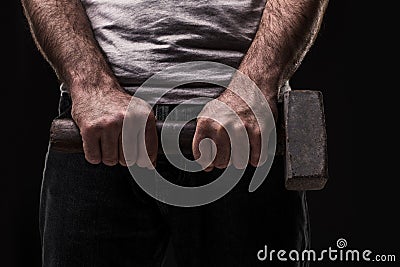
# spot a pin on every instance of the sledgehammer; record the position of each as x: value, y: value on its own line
x: 301, y: 139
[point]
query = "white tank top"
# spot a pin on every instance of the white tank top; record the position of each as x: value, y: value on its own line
x: 142, y: 37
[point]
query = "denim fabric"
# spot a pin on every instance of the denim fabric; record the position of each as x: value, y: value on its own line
x: 95, y: 215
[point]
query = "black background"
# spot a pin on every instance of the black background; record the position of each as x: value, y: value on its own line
x: 358, y: 203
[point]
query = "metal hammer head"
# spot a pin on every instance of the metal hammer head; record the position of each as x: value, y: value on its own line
x: 305, y: 140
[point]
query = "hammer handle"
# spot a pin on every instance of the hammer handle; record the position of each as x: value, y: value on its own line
x: 65, y: 136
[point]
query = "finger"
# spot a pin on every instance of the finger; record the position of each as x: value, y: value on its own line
x: 151, y: 140
x: 147, y: 147
x: 264, y: 148
x: 109, y: 147
x: 209, y: 150
x: 206, y: 154
x: 130, y: 134
x: 255, y: 145
x: 142, y: 159
x: 129, y: 145
x: 198, y: 136
x: 121, y: 156
x: 91, y: 147
x: 208, y: 169
x: 240, y: 147
x: 223, y: 148
x: 201, y: 147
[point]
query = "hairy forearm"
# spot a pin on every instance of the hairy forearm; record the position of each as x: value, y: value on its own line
x: 287, y: 30
x: 63, y: 34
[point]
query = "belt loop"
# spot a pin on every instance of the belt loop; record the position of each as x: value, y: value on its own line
x: 161, y: 111
x: 285, y: 88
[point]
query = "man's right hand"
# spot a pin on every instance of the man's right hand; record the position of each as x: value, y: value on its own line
x: 99, y: 114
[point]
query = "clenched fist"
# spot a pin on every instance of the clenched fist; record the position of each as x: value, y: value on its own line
x: 247, y: 140
x: 99, y: 114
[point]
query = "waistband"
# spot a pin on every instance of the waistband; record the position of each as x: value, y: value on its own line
x: 181, y: 112
x: 164, y: 108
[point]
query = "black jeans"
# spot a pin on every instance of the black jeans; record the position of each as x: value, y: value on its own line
x: 95, y: 215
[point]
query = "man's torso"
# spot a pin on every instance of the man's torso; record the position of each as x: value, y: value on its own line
x: 142, y: 37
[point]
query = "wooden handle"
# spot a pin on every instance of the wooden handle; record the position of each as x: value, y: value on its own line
x: 65, y: 136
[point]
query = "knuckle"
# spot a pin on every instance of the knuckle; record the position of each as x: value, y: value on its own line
x: 141, y: 117
x: 248, y: 125
x: 108, y: 122
x: 89, y: 128
x: 85, y: 133
x: 119, y: 117
x: 86, y: 128
x: 203, y: 122
x: 144, y: 109
x: 202, y: 128
x: 151, y: 116
x: 253, y: 128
